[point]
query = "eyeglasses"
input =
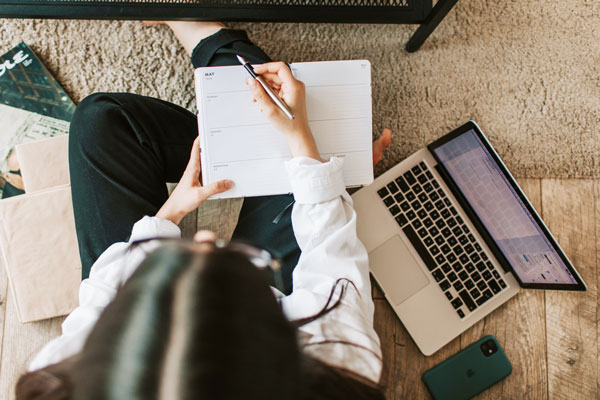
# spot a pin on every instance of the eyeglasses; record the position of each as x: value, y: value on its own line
x: 260, y: 258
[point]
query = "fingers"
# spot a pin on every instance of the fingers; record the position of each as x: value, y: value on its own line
x: 262, y: 98
x: 279, y: 68
x: 214, y: 188
x: 193, y: 166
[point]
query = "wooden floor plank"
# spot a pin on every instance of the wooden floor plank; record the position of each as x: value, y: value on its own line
x: 21, y: 343
x: 520, y: 328
x: 569, y: 209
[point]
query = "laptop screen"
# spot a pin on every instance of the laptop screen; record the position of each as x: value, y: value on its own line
x: 502, y: 211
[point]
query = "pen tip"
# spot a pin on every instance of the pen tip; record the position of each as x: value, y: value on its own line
x: 240, y: 59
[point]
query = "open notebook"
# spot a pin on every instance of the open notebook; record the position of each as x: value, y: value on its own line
x: 239, y: 143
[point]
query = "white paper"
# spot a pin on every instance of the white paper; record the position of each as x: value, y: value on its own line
x: 239, y: 143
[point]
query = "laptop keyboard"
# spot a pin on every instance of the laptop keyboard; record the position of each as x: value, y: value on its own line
x: 446, y: 245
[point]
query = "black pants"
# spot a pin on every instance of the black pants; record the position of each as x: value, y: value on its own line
x: 123, y: 148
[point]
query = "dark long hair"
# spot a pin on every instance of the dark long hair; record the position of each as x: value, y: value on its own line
x: 194, y: 325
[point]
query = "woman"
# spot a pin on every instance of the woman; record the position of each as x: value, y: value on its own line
x: 165, y: 319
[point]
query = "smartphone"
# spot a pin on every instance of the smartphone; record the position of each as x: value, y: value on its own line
x: 469, y: 371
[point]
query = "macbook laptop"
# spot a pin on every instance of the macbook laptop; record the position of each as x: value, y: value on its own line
x: 451, y: 237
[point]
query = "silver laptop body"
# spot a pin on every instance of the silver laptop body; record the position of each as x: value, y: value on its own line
x: 427, y: 252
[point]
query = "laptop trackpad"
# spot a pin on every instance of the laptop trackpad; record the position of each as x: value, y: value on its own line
x: 397, y: 271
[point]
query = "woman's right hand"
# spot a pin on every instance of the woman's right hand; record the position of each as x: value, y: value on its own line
x: 292, y: 91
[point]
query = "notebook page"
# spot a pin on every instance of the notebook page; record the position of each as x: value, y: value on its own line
x: 239, y: 143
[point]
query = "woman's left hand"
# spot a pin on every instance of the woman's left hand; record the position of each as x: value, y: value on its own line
x: 189, y: 193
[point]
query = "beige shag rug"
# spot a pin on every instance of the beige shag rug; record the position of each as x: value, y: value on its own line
x: 527, y: 71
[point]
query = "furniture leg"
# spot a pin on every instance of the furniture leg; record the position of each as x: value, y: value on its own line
x: 435, y: 16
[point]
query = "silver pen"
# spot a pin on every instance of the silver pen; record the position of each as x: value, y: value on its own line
x: 280, y: 103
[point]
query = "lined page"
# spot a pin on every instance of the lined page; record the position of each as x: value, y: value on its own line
x: 239, y: 143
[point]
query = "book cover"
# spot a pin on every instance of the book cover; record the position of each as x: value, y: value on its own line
x: 33, y: 106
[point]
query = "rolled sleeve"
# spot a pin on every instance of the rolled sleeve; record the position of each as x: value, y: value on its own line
x: 153, y: 227
x: 315, y: 182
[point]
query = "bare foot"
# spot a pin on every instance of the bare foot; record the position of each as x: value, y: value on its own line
x: 380, y: 145
x: 190, y: 33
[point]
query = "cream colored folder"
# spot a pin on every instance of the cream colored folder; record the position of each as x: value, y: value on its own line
x: 37, y: 234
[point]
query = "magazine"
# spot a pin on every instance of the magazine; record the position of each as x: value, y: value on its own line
x: 33, y: 106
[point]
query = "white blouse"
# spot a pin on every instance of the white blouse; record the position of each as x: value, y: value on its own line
x: 324, y: 224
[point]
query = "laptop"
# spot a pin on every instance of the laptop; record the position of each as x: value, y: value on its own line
x: 451, y: 237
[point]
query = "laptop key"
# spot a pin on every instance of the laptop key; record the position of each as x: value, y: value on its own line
x: 496, y: 274
x: 463, y: 240
x: 435, y: 183
x: 483, y: 256
x: 463, y: 276
x: 438, y: 275
x: 457, y: 231
x: 422, y: 179
x: 440, y: 240
x: 457, y: 267
x: 392, y: 187
x: 445, y: 249
x: 448, y: 295
x: 417, y: 224
x: 428, y: 206
x: 422, y: 213
x: 434, y: 196
x: 458, y: 218
x: 439, y: 205
x: 451, y: 222
x: 405, y: 206
x: 487, y: 294
x: 440, y: 223
x: 403, y: 185
x: 401, y: 220
x: 410, y: 178
x: 475, y: 257
x: 428, y: 241
x: 415, y: 205
x: 476, y: 277
x: 422, y: 232
x: 410, y: 196
x: 460, y: 313
x: 417, y: 188
x: 399, y: 197
x: 469, y: 249
x: 434, y: 250
x: 441, y: 193
x: 440, y: 258
x: 490, y: 265
x: 382, y: 192
x: 469, y: 284
x: 423, y: 165
x: 416, y: 170
x: 395, y: 210
x: 427, y: 222
x: 445, y: 285
x: 421, y: 250
x: 475, y: 293
x: 446, y: 268
x: 452, y: 241
x: 445, y: 213
x: 452, y: 277
x: 494, y: 286
x: 480, y: 266
x: 447, y: 201
x: 481, y: 285
x: 454, y: 212
x: 433, y: 231
x: 501, y: 283
x: 446, y: 232
x: 486, y: 275
x: 451, y: 257
x: 469, y: 267
x: 388, y: 201
x: 434, y: 215
x: 428, y: 187
x: 477, y: 247
x: 457, y: 285
x: 411, y: 215
x: 456, y: 303
x: 471, y: 238
x: 457, y: 249
x: 467, y: 299
x: 423, y: 198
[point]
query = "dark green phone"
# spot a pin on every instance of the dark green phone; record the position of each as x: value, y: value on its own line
x: 469, y: 371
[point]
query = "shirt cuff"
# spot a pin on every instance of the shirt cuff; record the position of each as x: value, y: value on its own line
x: 154, y: 227
x: 315, y: 182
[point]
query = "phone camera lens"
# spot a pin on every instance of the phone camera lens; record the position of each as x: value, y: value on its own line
x: 488, y: 347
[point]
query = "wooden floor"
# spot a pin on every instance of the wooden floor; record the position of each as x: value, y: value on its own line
x: 550, y: 337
